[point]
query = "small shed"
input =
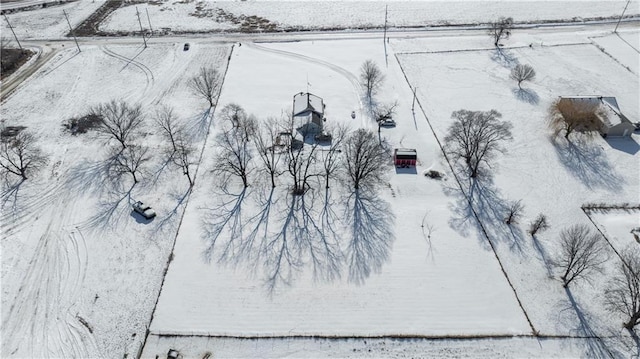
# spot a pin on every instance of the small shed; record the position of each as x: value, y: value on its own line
x: 612, y: 121
x: 405, y: 157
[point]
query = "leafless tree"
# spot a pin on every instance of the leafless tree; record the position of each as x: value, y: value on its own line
x: 514, y: 212
x: 476, y: 136
x: 366, y: 158
x: 332, y: 155
x: 301, y: 167
x: 129, y: 160
x: 166, y: 121
x: 206, y: 84
x: 522, y: 73
x: 20, y: 156
x: 233, y: 113
x: 575, y: 115
x: 538, y: 225
x: 119, y: 120
x: 623, y: 294
x: 500, y: 29
x: 234, y: 156
x: 582, y: 253
x: 185, y: 157
x: 384, y: 112
x: 264, y: 138
x: 371, y: 79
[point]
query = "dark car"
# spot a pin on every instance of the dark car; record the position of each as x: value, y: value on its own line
x: 186, y: 47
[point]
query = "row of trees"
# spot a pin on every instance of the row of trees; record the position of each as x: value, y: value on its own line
x: 248, y: 148
x: 121, y: 122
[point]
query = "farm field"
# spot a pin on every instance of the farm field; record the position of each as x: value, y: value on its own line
x: 411, y: 267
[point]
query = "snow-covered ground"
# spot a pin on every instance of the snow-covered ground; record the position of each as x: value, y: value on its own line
x: 288, y: 15
x: 81, y: 274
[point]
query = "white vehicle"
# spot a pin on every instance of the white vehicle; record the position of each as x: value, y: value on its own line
x: 144, y: 210
x: 388, y: 123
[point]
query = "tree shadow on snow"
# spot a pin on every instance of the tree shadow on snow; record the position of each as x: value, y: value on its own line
x: 503, y: 58
x: 171, y: 218
x: 595, y: 346
x: 491, y: 210
x: 588, y: 162
x: 197, y: 126
x: 526, y: 95
x: 372, y: 235
x: 111, y: 209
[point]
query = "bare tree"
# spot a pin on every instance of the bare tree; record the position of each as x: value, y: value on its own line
x: 301, y: 167
x: 166, y: 121
x: 538, y: 225
x: 184, y: 157
x: 233, y: 113
x: 623, y: 294
x: 119, y: 120
x: 206, y: 84
x: 514, y: 212
x: 575, y: 115
x: 20, y: 156
x: 331, y: 156
x: 500, y: 29
x: 476, y: 136
x: 366, y: 158
x: 264, y: 138
x: 384, y: 112
x: 129, y: 160
x: 582, y: 252
x: 371, y: 79
x: 522, y: 73
x: 234, y: 156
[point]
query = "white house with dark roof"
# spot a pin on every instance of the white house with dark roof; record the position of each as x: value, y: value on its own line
x: 613, y: 121
x: 308, y: 113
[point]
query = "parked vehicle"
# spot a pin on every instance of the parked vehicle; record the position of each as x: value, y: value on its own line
x: 388, y: 123
x: 186, y: 47
x: 144, y: 210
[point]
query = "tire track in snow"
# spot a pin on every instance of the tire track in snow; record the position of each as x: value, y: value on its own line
x: 15, y: 215
x: 149, y: 78
x: 42, y: 321
x: 353, y: 79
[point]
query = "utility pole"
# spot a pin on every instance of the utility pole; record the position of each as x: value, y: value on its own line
x: 141, y: 29
x: 148, y: 19
x: 14, y: 34
x: 71, y: 30
x: 621, y: 15
x: 386, y: 7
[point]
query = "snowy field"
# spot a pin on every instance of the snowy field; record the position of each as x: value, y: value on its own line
x: 405, y: 270
x: 68, y: 229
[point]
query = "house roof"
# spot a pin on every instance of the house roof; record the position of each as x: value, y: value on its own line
x: 612, y: 115
x: 304, y: 102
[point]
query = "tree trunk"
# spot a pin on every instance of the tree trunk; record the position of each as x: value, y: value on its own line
x: 632, y: 321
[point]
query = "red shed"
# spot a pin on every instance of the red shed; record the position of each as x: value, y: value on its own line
x: 405, y: 157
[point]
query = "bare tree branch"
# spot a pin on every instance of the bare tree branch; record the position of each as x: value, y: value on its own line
x: 366, y: 158
x: 371, y: 79
x: 575, y: 115
x: 500, y: 29
x: 206, y: 84
x: 582, y: 252
x: 130, y: 160
x: 514, y: 212
x: 166, y: 121
x: 20, y: 156
x: 538, y: 225
x: 522, y: 73
x: 623, y: 294
x: 476, y: 136
x: 119, y: 120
